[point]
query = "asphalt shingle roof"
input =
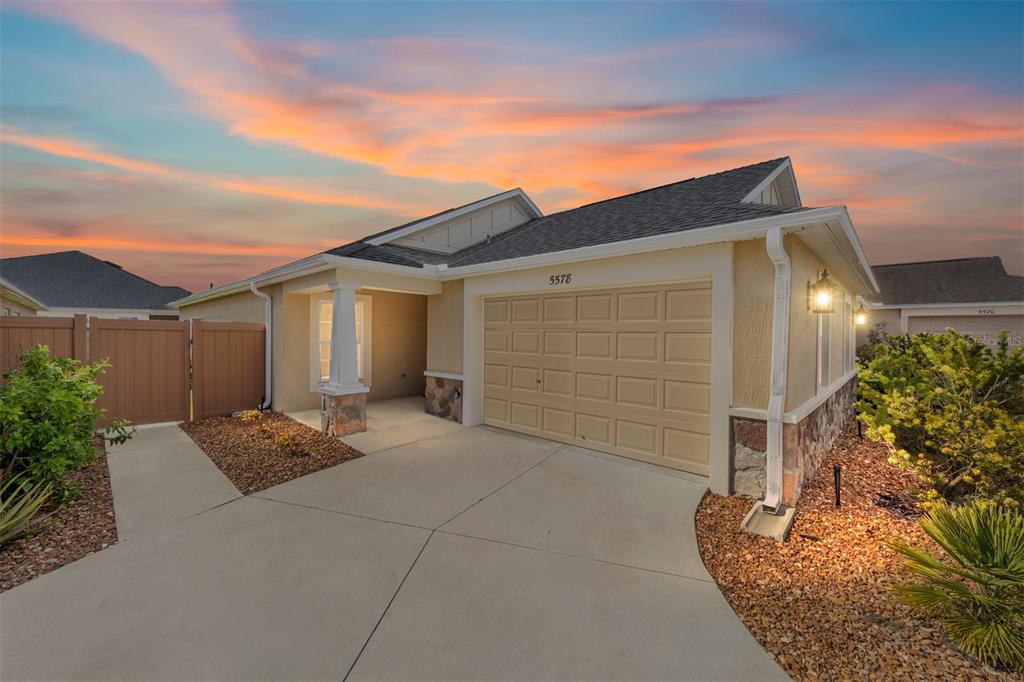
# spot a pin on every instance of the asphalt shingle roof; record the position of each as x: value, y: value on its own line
x: 961, y: 280
x: 72, y: 279
x: 686, y: 205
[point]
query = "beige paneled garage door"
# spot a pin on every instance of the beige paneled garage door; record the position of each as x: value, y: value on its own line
x: 626, y: 371
x: 985, y: 328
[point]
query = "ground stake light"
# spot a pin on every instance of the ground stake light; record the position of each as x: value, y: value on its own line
x: 821, y: 295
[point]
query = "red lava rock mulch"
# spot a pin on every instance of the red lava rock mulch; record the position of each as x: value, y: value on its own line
x: 249, y: 456
x: 821, y: 603
x: 83, y: 526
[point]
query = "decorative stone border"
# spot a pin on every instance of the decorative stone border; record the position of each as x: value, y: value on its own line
x: 444, y: 397
x: 803, y: 446
x: 342, y: 415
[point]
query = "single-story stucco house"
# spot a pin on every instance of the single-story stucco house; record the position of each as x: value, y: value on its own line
x: 72, y: 282
x: 672, y: 325
x: 975, y: 296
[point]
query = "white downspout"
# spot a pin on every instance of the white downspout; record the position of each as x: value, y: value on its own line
x: 268, y: 319
x: 780, y: 358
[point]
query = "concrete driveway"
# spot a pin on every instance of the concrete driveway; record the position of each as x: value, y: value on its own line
x: 474, y: 554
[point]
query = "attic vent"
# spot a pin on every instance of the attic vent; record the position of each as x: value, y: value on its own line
x: 113, y: 264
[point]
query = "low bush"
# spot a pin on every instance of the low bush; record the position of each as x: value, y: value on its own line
x: 951, y: 409
x: 289, y: 444
x: 48, y: 418
x: 978, y: 591
x: 250, y: 416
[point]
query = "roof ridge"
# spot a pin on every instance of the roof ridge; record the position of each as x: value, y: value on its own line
x: 940, y: 260
x: 668, y: 184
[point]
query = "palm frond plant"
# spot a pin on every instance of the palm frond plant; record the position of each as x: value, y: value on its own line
x: 20, y: 501
x: 977, y: 590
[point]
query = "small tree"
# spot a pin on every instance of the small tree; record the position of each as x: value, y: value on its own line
x: 952, y: 409
x: 48, y: 415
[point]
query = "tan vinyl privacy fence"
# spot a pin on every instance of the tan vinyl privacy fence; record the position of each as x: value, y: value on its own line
x: 160, y: 370
x: 228, y: 365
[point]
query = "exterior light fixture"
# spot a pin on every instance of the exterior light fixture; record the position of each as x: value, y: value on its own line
x: 860, y: 316
x: 821, y: 295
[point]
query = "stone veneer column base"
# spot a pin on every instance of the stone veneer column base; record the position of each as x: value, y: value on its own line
x: 342, y: 415
x: 444, y: 398
x: 803, y: 446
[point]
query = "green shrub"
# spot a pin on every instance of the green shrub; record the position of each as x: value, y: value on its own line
x: 48, y: 415
x: 978, y: 593
x: 951, y: 409
x: 20, y: 501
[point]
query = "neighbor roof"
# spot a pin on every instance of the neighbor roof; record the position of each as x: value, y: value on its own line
x: 677, y: 207
x: 72, y: 279
x: 960, y: 280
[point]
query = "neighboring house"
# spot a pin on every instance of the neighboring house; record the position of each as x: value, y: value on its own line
x: 972, y: 295
x: 643, y: 326
x: 71, y: 282
x: 14, y: 301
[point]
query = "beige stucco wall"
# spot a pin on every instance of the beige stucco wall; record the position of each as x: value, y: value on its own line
x: 399, y: 344
x: 444, y: 329
x: 243, y: 307
x: 754, y: 280
x: 14, y: 307
x: 802, y: 384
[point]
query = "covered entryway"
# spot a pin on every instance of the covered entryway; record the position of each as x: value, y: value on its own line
x: 625, y: 371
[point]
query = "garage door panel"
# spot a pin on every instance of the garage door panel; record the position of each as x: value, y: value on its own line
x: 594, y: 345
x: 526, y: 342
x: 625, y: 371
x: 639, y: 306
x: 526, y: 310
x: 594, y: 308
x: 495, y: 311
x: 637, y: 391
x: 687, y: 347
x: 561, y: 309
x: 642, y: 346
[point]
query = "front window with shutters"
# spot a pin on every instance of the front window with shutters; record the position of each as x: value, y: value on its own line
x: 323, y: 318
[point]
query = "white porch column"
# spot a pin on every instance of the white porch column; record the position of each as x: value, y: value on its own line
x: 344, y: 373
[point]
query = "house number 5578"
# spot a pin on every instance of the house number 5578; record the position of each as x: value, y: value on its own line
x: 564, y: 278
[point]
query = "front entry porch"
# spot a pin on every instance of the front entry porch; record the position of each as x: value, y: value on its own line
x: 389, y: 424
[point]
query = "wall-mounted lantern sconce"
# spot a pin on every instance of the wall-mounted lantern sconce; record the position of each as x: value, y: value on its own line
x: 860, y: 316
x: 821, y: 295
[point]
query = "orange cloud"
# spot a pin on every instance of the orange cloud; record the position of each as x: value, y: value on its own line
x: 116, y: 242
x: 83, y: 151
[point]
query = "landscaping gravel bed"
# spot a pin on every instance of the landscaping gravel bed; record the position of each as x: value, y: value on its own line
x: 85, y: 525
x: 250, y: 456
x: 821, y: 603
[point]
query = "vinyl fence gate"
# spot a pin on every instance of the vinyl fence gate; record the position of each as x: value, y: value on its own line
x: 160, y: 370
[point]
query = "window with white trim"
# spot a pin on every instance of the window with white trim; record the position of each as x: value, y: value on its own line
x: 323, y: 324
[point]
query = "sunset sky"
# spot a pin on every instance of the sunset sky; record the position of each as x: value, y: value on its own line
x: 203, y: 142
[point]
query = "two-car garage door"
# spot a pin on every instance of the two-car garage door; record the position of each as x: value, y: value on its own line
x: 625, y: 371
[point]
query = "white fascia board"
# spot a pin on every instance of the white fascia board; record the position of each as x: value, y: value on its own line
x: 1008, y: 306
x: 516, y: 193
x: 858, y: 249
x: 747, y: 229
x: 423, y: 272
x: 18, y: 296
x: 304, y: 266
x: 785, y: 167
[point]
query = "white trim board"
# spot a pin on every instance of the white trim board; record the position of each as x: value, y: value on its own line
x: 800, y: 412
x: 442, y: 375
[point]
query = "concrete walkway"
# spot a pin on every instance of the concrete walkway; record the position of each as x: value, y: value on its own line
x: 161, y: 476
x: 476, y: 554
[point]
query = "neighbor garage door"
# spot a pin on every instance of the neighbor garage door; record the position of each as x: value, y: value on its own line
x: 625, y: 371
x: 985, y: 328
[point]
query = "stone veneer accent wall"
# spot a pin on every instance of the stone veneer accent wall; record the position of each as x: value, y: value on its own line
x: 444, y: 398
x: 341, y: 415
x: 803, y: 446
